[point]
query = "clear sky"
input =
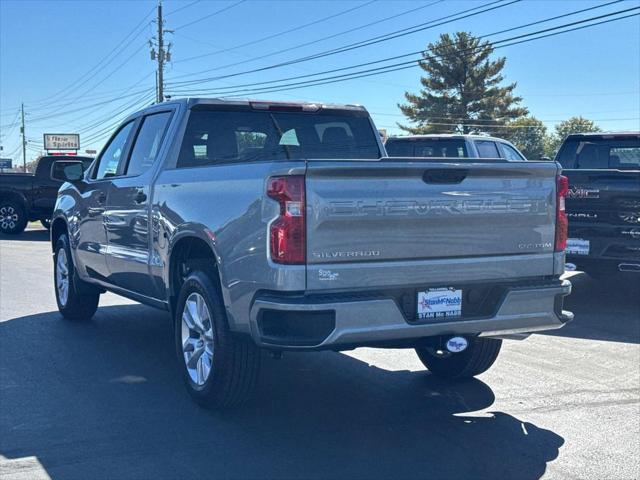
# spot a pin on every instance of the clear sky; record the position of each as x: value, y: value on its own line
x: 79, y: 66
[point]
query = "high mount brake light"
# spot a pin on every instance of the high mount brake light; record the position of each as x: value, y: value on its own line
x: 285, y: 107
x: 562, y: 222
x: 287, y: 239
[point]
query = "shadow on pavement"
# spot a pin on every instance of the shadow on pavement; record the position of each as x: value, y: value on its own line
x: 104, y: 399
x: 29, y: 235
x: 605, y: 309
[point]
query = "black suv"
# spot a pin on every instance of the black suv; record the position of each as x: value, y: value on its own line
x: 603, y: 203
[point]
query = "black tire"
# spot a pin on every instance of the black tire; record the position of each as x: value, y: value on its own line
x: 476, y: 359
x: 13, y: 217
x: 46, y: 223
x: 235, y: 359
x: 82, y: 299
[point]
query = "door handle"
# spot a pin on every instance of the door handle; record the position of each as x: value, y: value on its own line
x: 140, y: 197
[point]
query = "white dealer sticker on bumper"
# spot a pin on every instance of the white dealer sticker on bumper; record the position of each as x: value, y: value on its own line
x: 577, y: 246
x: 440, y: 302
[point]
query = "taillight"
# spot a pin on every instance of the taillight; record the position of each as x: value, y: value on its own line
x: 287, y: 242
x: 562, y: 222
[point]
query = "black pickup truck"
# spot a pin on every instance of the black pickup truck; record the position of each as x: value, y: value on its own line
x: 603, y: 202
x: 27, y: 197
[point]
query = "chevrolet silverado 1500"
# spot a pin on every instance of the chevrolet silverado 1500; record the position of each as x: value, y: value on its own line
x: 271, y: 226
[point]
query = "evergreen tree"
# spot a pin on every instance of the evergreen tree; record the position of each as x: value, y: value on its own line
x: 462, y: 88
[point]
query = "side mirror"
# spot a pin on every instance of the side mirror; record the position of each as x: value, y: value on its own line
x: 67, y: 170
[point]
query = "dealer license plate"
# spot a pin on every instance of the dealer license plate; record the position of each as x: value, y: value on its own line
x: 439, y: 303
x: 577, y: 246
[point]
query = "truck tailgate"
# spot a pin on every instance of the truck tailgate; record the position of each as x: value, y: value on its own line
x: 394, y: 221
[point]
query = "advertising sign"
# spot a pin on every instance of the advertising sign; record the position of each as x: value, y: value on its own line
x: 61, y: 141
x: 6, y: 163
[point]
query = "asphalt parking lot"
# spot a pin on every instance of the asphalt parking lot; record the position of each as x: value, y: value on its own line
x: 103, y: 399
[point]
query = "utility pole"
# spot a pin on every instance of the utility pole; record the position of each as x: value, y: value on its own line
x: 24, y: 141
x: 162, y: 56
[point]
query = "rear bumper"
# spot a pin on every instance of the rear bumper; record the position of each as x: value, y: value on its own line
x: 611, y: 247
x: 332, y: 323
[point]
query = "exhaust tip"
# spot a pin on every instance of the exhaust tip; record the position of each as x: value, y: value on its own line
x: 629, y: 267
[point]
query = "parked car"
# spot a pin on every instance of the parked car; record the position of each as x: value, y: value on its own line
x: 452, y: 146
x: 283, y: 227
x: 603, y: 203
x: 28, y: 197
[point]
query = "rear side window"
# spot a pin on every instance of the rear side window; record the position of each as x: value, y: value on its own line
x: 148, y: 143
x: 487, y: 149
x: 213, y: 137
x: 399, y: 148
x: 624, y: 158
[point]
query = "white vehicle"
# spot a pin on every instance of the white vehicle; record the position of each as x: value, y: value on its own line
x: 443, y: 145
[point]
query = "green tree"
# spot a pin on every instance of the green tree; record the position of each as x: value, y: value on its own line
x: 567, y: 127
x: 530, y: 136
x: 462, y: 88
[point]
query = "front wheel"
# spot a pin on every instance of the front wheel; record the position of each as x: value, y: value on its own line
x: 76, y: 299
x: 219, y: 369
x: 477, y: 358
x: 13, y: 217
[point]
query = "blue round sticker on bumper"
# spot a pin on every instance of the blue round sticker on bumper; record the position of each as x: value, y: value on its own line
x: 457, y: 344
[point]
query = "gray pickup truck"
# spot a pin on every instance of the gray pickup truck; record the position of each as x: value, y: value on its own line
x: 273, y: 226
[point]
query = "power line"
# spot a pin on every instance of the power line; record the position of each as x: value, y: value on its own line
x: 284, y: 32
x: 405, y: 64
x: 423, y: 26
x: 176, y: 10
x: 322, y: 39
x: 217, y: 12
x: 110, y: 57
x: 415, y: 63
x: 411, y: 64
x: 192, y: 82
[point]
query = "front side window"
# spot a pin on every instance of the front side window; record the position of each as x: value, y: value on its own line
x: 113, y: 154
x: 148, y: 142
x: 214, y: 136
x: 487, y: 149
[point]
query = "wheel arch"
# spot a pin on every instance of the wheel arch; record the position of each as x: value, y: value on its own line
x: 12, y: 195
x: 58, y: 228
x: 188, y: 252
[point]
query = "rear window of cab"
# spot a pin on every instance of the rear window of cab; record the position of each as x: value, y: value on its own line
x: 600, y: 153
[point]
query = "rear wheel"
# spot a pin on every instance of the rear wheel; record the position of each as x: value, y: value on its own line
x: 477, y: 358
x: 219, y: 369
x: 76, y: 299
x: 13, y: 217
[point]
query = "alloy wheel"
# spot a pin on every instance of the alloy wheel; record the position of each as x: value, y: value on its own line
x: 62, y: 277
x: 8, y: 217
x: 197, y: 338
